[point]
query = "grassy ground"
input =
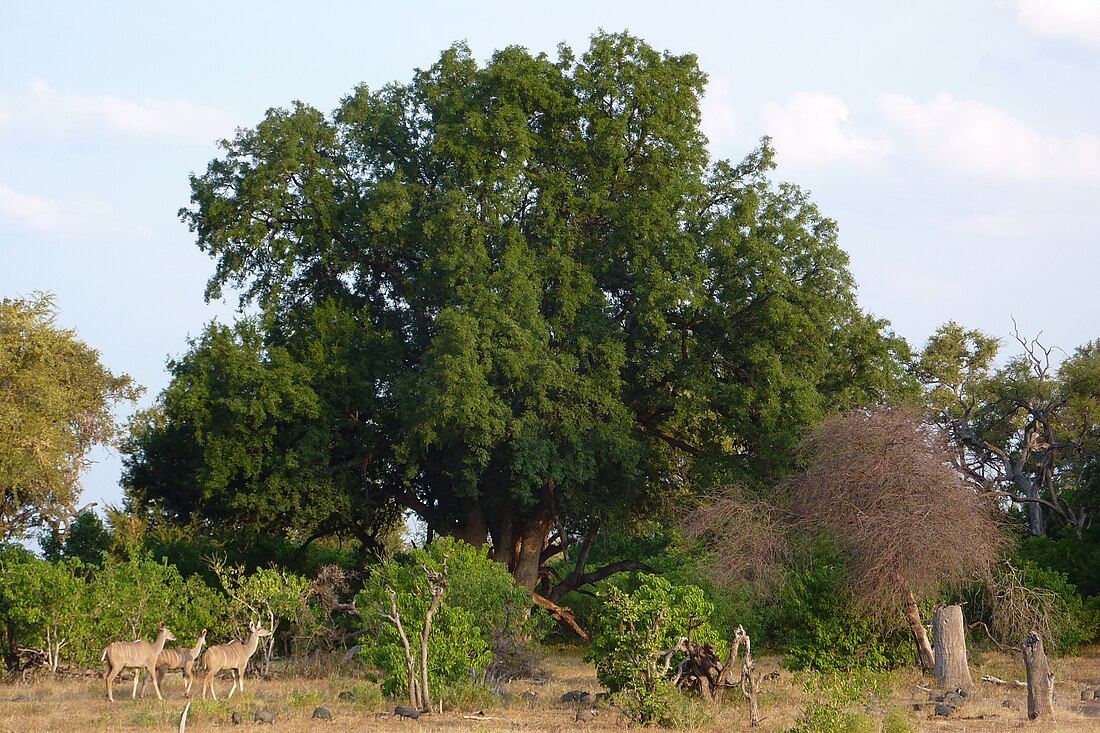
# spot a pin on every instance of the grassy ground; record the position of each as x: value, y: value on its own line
x: 78, y: 704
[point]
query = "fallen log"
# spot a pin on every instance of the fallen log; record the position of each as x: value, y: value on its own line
x: 998, y: 681
x: 560, y: 613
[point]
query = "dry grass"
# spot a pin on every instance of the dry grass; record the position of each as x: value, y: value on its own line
x: 79, y: 704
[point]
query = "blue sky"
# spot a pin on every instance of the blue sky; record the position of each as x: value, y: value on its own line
x: 957, y: 144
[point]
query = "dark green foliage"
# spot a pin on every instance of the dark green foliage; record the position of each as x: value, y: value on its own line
x: 190, y: 551
x: 508, y: 297
x: 1030, y: 597
x: 1076, y: 555
x: 823, y: 632
x: 1076, y: 623
x: 87, y: 541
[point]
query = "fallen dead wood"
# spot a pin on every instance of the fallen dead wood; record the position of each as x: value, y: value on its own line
x: 998, y: 681
x: 560, y: 613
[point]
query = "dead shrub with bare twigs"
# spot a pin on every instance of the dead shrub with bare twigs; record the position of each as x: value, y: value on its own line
x: 882, y: 485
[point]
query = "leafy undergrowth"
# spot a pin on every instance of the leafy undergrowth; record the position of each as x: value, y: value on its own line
x: 882, y: 703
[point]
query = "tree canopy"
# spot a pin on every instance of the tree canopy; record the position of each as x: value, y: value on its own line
x: 56, y: 401
x: 1026, y: 430
x: 518, y: 299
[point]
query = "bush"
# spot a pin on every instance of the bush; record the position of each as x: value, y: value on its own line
x: 480, y: 597
x: 1076, y: 622
x: 664, y: 705
x: 467, y: 697
x: 631, y: 633
x: 897, y: 722
x: 362, y: 696
x: 825, y: 634
x: 833, y: 699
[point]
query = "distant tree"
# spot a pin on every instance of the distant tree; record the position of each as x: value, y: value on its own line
x: 56, y: 400
x: 87, y: 540
x: 1028, y: 431
x: 517, y: 299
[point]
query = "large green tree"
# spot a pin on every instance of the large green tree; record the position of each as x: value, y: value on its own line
x: 56, y: 402
x: 517, y: 299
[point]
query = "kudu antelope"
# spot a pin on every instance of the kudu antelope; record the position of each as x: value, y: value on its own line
x: 182, y: 659
x: 233, y: 656
x: 140, y: 654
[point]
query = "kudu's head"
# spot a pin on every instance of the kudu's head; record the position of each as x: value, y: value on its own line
x: 255, y: 628
x: 165, y: 633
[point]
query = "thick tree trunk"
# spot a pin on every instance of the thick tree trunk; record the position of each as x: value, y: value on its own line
x: 916, y: 626
x: 949, y: 634
x: 471, y: 527
x: 530, y: 544
x: 1040, y: 680
x: 518, y: 542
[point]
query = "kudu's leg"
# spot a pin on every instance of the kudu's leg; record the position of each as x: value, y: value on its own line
x: 110, y: 678
x: 156, y: 683
x: 137, y: 678
x: 208, y: 679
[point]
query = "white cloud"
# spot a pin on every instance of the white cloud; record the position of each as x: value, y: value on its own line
x: 719, y: 118
x: 812, y: 129
x: 978, y: 139
x: 1077, y: 20
x: 28, y: 212
x: 88, y: 219
x: 41, y: 109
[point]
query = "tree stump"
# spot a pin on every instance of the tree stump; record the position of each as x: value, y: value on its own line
x: 949, y: 645
x: 1040, y: 680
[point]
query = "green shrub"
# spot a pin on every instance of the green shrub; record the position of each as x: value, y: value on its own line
x: 304, y: 699
x: 481, y: 596
x: 665, y: 706
x: 1073, y: 622
x: 825, y: 634
x: 365, y: 697
x: 633, y: 630
x: 467, y: 697
x: 833, y: 704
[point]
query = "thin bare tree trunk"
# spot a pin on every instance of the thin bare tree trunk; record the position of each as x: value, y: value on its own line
x: 916, y: 626
x: 437, y: 583
x: 395, y: 618
x: 1040, y: 680
x: 750, y: 685
x: 949, y: 633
